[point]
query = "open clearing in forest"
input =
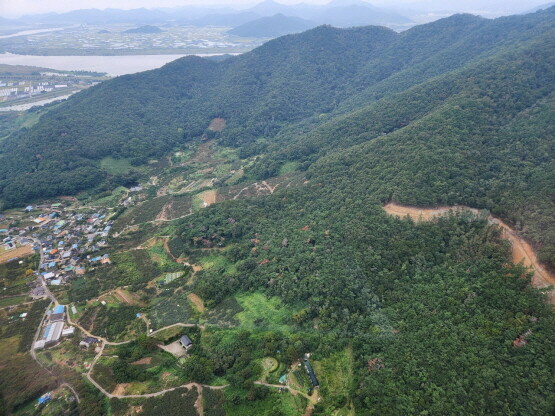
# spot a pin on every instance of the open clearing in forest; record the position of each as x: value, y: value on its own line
x: 217, y: 124
x: 208, y: 197
x: 125, y: 297
x: 121, y: 389
x: 522, y: 252
x: 18, y: 252
x: 197, y: 301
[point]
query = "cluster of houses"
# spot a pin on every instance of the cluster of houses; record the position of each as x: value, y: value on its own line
x: 54, y: 328
x: 71, y: 243
x: 19, y: 89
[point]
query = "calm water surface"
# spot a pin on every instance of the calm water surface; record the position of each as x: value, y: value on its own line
x: 113, y: 65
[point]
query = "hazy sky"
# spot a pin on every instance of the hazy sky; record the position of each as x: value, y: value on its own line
x: 12, y: 8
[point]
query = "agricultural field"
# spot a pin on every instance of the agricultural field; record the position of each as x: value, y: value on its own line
x: 264, y: 401
x: 16, y: 253
x: 68, y: 354
x: 112, y: 40
x: 110, y: 199
x: 335, y: 374
x: 178, y: 402
x: 224, y: 314
x: 16, y: 336
x: 124, y: 374
x: 118, y: 323
x: 165, y: 263
x: 172, y: 308
x: 163, y: 208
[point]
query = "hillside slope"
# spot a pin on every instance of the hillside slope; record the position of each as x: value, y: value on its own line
x: 271, y: 27
x: 287, y: 80
x: 288, y: 249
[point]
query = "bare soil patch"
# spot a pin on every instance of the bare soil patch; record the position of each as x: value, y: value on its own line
x: 163, y: 215
x: 422, y: 214
x: 18, y: 252
x: 197, y: 301
x: 121, y: 389
x: 522, y: 252
x: 143, y: 361
x: 174, y: 348
x: 209, y: 197
x: 217, y: 124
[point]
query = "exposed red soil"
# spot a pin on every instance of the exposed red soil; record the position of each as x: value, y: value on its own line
x: 522, y: 251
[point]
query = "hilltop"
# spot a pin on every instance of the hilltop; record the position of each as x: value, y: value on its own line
x: 145, y: 29
x: 271, y: 27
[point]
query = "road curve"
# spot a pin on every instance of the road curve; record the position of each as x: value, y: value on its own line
x: 522, y: 251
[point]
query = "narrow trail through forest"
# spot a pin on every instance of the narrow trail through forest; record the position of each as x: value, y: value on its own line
x: 522, y: 251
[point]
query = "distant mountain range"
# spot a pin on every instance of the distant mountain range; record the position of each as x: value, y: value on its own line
x: 274, y: 26
x: 341, y: 13
x: 541, y: 7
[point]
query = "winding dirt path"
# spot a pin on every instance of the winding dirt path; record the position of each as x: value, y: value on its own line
x: 522, y: 251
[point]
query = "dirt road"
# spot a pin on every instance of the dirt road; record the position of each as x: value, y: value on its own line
x: 522, y: 251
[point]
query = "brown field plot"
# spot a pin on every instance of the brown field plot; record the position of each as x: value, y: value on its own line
x: 18, y: 252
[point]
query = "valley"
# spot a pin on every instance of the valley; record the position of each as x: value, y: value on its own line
x: 338, y: 222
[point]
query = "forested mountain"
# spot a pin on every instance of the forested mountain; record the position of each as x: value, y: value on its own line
x: 286, y: 80
x: 402, y: 318
x: 271, y: 27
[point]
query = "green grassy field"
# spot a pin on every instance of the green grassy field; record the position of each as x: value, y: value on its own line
x: 287, y: 403
x: 335, y: 374
x: 115, y: 166
x: 288, y: 167
x: 12, y: 301
x: 260, y: 312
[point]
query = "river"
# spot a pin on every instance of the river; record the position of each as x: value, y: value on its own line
x: 112, y: 65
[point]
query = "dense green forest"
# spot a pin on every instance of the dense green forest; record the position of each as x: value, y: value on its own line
x: 298, y: 78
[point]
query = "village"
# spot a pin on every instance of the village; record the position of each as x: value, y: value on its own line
x: 68, y: 242
x: 30, y: 84
x: 15, y: 90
